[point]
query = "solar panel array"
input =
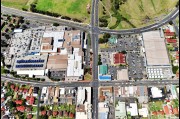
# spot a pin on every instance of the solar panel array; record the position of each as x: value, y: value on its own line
x: 29, y: 65
x: 30, y: 61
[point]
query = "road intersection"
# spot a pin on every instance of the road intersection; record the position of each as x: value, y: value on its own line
x: 94, y: 32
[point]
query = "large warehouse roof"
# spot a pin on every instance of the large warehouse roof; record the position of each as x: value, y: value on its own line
x: 155, y: 48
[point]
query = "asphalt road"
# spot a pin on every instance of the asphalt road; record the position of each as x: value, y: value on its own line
x: 176, y: 28
x: 94, y: 22
x: 94, y: 31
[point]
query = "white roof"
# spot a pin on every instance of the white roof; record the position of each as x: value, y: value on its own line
x: 155, y: 47
x: 156, y: 93
x: 75, y: 64
x: 62, y: 91
x: 132, y: 109
x: 57, y: 37
x: 17, y: 30
x: 80, y: 95
x: 31, y: 72
x: 143, y: 112
x: 44, y: 90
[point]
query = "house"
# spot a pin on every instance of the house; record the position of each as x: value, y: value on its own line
x: 2, y: 100
x: 175, y: 111
x: 143, y: 112
x: 43, y: 112
x: 31, y: 100
x: 19, y: 102
x: 132, y: 109
x: 29, y: 116
x: 28, y: 109
x: 60, y: 113
x: 25, y: 91
x: 171, y: 40
x: 16, y: 89
x: 55, y: 113
x: 169, y: 34
x: 49, y: 112
x: 12, y: 87
x: 27, y: 98
x: 71, y: 115
x: 20, y: 108
x: 120, y: 110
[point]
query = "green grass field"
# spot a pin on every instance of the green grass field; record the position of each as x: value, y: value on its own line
x: 18, y: 4
x: 71, y: 8
x: 137, y: 13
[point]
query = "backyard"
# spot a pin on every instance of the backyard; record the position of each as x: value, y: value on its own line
x: 124, y: 14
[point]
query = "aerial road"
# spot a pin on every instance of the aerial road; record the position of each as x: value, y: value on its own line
x: 86, y: 27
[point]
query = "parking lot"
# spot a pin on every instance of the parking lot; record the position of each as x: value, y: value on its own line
x: 135, y: 65
x: 130, y: 44
x: 124, y: 44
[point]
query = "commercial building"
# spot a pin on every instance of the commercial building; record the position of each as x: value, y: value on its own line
x: 156, y: 92
x: 57, y: 62
x: 84, y: 106
x: 103, y: 70
x: 155, y: 49
x: 75, y: 69
x: 103, y: 110
x: 122, y: 74
x: 118, y: 58
x: 30, y: 65
x: 52, y: 41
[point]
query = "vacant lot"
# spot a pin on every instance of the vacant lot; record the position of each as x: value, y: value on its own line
x: 135, y: 13
x: 71, y: 8
x: 18, y: 4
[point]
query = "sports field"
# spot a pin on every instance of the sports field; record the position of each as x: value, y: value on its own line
x: 71, y: 8
x: 135, y: 13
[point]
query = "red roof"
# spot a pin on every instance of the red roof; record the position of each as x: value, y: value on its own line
x: 27, y: 98
x: 16, y: 89
x: 25, y: 90
x: 175, y: 111
x: 20, y: 108
x: 20, y: 90
x: 167, y: 31
x: 55, y: 113
x: 28, y: 109
x: 19, y: 102
x: 119, y: 58
x: 3, y: 109
x: 177, y: 74
x: 160, y: 112
x: 169, y: 34
x: 29, y: 116
x: 154, y: 113
x: 171, y: 40
x: 12, y: 86
x: 43, y: 112
x: 71, y: 115
x: 2, y: 99
x: 166, y: 109
x: 31, y: 100
x: 177, y: 53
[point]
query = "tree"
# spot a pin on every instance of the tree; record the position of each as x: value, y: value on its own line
x: 124, y: 52
x: 55, y: 24
x: 11, y: 104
